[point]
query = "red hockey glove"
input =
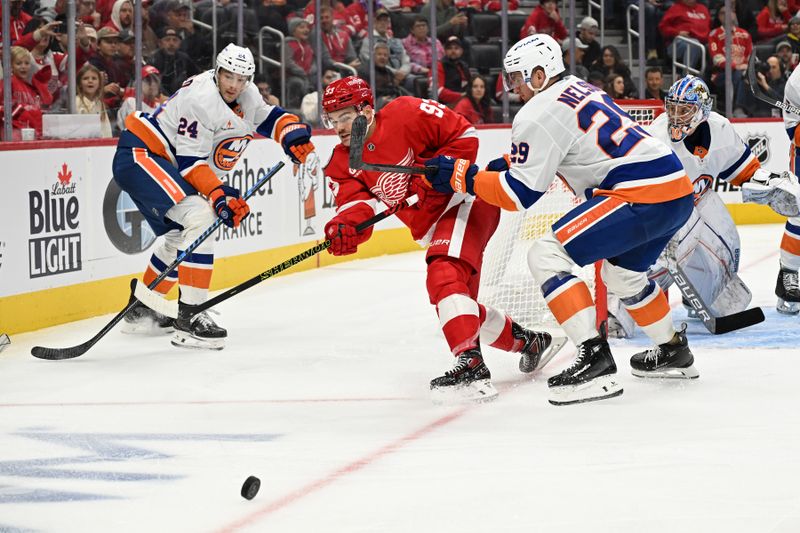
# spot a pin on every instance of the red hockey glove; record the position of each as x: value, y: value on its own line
x: 451, y: 175
x: 343, y: 237
x: 295, y: 139
x: 229, y: 205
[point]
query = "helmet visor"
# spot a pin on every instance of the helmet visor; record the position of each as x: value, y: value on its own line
x: 512, y: 80
x: 337, y: 118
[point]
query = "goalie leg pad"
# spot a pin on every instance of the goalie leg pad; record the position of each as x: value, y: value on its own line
x: 779, y: 191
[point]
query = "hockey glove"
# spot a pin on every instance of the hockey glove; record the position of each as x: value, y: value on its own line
x: 780, y: 191
x: 451, y: 175
x: 501, y: 164
x: 229, y: 205
x: 343, y: 237
x: 295, y: 139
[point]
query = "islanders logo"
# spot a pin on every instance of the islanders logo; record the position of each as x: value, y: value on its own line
x: 227, y: 152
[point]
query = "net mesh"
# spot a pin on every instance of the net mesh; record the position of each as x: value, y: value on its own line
x: 506, y: 280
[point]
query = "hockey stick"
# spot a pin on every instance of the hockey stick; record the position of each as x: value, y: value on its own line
x: 56, y: 354
x: 755, y: 88
x: 716, y: 325
x: 302, y: 256
x: 358, y: 134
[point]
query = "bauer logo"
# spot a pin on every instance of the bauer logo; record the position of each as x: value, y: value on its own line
x: 228, y: 151
x: 55, y: 244
x: 125, y: 226
x: 759, y: 145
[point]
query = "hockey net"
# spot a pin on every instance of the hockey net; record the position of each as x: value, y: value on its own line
x: 506, y: 280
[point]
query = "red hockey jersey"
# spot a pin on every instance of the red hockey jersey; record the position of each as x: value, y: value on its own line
x: 407, y: 132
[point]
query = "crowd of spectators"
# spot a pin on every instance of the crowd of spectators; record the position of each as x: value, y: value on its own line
x: 176, y: 45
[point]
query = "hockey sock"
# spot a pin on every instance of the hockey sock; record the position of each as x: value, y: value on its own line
x: 496, y: 330
x: 194, y: 276
x: 571, y: 303
x: 458, y: 312
x: 790, y: 245
x: 650, y: 310
x: 162, y: 257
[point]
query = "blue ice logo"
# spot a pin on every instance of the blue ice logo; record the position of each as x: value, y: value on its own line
x: 98, y: 448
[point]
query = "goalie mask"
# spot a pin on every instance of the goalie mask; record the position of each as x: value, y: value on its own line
x: 535, y: 51
x: 351, y: 91
x: 688, y: 104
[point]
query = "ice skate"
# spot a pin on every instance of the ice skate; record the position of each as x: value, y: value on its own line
x: 666, y: 360
x: 539, y: 347
x: 788, y: 292
x: 468, y: 380
x: 197, y: 330
x: 141, y: 320
x: 592, y: 376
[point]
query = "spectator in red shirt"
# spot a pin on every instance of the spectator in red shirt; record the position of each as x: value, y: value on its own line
x: 337, y: 40
x: 301, y: 65
x: 685, y: 18
x: 545, y: 18
x: 741, y: 48
x: 88, y: 14
x: 475, y: 106
x: 27, y: 98
x: 121, y: 16
x: 773, y: 20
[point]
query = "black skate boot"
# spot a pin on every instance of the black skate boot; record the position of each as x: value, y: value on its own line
x: 197, y: 330
x: 788, y: 292
x: 143, y: 320
x: 538, y: 348
x: 668, y: 360
x: 469, y: 379
x: 591, y: 377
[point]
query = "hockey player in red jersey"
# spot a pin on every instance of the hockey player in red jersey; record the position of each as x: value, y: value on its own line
x: 406, y: 131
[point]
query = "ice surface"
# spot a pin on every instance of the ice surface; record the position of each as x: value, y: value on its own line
x: 322, y: 392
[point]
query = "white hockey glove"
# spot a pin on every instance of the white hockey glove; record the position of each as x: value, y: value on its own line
x: 779, y: 191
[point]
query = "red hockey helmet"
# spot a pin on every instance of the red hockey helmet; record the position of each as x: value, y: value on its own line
x: 349, y: 91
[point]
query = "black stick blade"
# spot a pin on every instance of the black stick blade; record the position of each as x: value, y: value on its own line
x: 57, y: 354
x: 743, y: 319
x: 358, y: 133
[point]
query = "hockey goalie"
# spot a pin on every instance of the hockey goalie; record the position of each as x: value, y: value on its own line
x: 707, y: 247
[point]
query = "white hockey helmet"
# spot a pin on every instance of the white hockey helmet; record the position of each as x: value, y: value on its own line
x: 236, y: 59
x: 534, y: 51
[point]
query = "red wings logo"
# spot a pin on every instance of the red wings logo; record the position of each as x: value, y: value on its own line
x: 227, y: 152
x: 392, y: 187
x: 64, y: 175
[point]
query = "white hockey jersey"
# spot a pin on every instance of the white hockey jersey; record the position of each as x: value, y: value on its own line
x: 713, y: 150
x: 576, y: 130
x: 197, y: 130
x: 791, y: 95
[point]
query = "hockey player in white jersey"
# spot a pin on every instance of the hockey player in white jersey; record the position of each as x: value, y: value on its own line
x: 707, y: 247
x: 172, y: 163
x: 787, y: 288
x: 637, y: 197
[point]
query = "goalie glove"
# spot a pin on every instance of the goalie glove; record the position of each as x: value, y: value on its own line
x: 779, y: 191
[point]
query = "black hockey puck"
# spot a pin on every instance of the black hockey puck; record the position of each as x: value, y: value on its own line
x: 250, y: 487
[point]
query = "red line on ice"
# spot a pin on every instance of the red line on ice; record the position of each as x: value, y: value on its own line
x: 349, y: 468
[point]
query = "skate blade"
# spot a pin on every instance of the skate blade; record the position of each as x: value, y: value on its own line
x: 145, y: 327
x: 556, y: 343
x: 185, y: 340
x: 690, y: 372
x: 597, y: 389
x: 479, y: 391
x: 787, y: 308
